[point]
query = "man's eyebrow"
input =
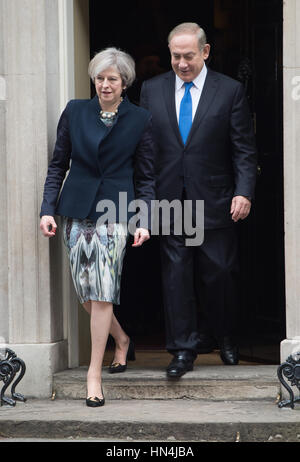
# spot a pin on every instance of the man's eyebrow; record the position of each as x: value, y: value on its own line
x: 184, y: 54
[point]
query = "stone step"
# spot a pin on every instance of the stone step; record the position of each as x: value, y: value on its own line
x: 151, y: 420
x: 212, y: 403
x: 205, y: 382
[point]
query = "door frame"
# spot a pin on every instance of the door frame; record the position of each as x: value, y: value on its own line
x: 291, y: 65
x: 74, y: 56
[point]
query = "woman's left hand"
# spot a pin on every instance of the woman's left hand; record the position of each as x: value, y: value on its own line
x: 141, y: 235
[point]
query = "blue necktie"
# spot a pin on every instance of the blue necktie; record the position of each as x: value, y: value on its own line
x: 185, y: 113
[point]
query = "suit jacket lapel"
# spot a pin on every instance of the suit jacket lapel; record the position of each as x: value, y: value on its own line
x: 169, y: 97
x: 207, y: 96
x: 206, y: 99
x: 93, y: 130
x: 96, y: 131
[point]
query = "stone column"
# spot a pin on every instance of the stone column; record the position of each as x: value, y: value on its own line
x: 3, y: 195
x: 291, y: 74
x: 83, y: 91
x: 31, y: 270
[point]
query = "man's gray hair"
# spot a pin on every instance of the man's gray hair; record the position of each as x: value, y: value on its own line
x: 189, y: 28
x: 113, y: 57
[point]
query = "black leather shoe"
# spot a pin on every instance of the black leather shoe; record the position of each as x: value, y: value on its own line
x: 182, y: 362
x: 95, y: 401
x: 117, y: 367
x: 206, y: 344
x: 229, y: 351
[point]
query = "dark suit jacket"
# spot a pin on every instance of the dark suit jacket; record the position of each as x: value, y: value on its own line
x: 104, y: 161
x: 219, y: 158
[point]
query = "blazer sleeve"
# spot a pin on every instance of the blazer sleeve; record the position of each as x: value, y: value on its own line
x: 58, y: 167
x: 144, y: 174
x: 144, y: 96
x: 242, y: 136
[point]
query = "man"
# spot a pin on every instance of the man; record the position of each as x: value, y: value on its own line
x: 205, y: 151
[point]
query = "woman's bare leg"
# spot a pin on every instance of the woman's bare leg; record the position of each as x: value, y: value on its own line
x: 87, y: 306
x: 121, y: 340
x: 120, y: 337
x: 100, y: 323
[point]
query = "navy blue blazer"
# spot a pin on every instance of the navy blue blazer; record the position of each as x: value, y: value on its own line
x: 218, y: 160
x: 104, y: 160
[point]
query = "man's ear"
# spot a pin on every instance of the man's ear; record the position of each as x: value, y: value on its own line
x: 206, y: 50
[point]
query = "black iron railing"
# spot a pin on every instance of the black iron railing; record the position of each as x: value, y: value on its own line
x: 291, y: 370
x: 12, y: 370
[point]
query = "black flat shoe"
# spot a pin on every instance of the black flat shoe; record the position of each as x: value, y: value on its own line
x: 117, y: 367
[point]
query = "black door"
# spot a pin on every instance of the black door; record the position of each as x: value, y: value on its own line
x: 246, y: 38
x: 262, y: 239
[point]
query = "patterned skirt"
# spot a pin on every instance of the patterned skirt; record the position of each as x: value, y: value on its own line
x: 96, y: 256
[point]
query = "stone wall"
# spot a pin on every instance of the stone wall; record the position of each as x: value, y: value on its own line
x: 291, y: 75
x: 31, y: 310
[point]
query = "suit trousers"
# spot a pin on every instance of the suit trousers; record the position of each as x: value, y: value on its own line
x: 205, y: 275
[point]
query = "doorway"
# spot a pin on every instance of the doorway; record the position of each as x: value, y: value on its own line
x: 246, y: 39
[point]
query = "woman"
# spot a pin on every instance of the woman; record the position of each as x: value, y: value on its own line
x: 109, y: 144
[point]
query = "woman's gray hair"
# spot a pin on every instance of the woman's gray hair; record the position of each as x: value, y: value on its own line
x: 189, y: 28
x: 113, y: 57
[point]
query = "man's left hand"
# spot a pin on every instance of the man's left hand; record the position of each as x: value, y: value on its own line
x: 240, y: 208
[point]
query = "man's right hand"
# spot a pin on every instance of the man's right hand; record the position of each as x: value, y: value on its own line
x: 48, y: 226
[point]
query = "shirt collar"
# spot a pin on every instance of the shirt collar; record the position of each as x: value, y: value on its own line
x: 198, y: 81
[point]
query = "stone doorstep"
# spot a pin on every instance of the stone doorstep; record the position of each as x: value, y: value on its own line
x: 205, y: 382
x: 217, y: 404
x: 152, y: 420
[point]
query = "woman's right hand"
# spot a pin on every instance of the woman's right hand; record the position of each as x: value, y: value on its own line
x: 48, y: 226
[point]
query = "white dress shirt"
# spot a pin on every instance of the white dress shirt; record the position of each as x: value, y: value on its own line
x: 195, y: 91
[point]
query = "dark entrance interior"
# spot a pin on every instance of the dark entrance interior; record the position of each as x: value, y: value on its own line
x: 246, y: 39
